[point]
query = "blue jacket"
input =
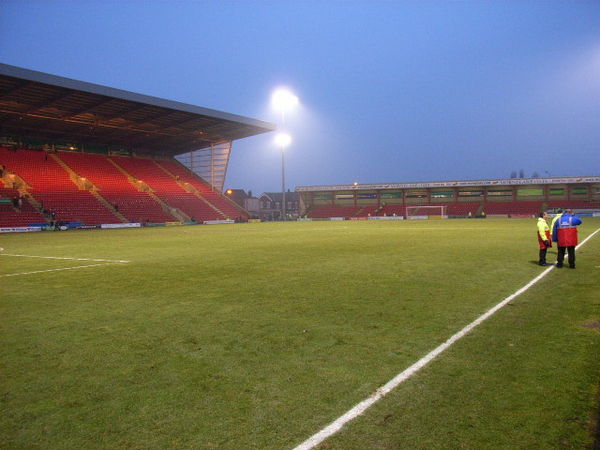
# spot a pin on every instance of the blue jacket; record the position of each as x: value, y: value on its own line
x: 566, y: 221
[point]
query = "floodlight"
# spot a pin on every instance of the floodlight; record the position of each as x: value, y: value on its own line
x: 283, y: 140
x: 283, y: 100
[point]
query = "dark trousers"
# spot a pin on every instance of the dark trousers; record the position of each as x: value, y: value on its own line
x: 561, y: 256
x: 543, y: 257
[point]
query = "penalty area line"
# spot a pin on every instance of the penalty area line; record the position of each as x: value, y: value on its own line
x: 381, y: 392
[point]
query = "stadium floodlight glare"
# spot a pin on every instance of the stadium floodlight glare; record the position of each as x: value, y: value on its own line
x: 283, y: 100
x: 283, y: 140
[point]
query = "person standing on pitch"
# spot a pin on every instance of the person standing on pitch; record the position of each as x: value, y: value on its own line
x: 565, y: 230
x: 559, y: 212
x: 543, y: 236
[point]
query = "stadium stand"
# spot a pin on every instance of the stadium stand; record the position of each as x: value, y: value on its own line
x: 115, y: 187
x: 463, y: 209
x: 11, y: 216
x: 95, y: 189
x: 390, y: 210
x: 452, y: 209
x: 502, y: 197
x: 573, y: 204
x: 44, y: 115
x: 519, y: 208
x: 51, y: 187
x: 167, y: 189
x: 372, y: 210
x: 322, y: 212
x: 221, y: 203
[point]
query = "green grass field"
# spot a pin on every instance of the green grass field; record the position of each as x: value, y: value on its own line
x: 256, y: 336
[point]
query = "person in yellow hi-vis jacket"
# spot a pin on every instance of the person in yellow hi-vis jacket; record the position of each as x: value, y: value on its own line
x: 544, y: 237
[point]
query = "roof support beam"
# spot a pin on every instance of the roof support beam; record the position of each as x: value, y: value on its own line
x: 88, y: 108
x: 16, y: 89
x: 122, y: 113
x: 47, y: 102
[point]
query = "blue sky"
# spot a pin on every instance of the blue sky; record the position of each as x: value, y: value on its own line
x: 390, y: 91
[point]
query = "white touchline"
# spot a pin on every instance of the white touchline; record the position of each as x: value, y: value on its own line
x: 361, y: 407
x: 55, y: 270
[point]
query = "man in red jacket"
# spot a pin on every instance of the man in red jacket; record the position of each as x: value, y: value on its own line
x: 565, y: 232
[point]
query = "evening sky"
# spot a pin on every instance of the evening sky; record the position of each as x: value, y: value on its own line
x: 390, y: 91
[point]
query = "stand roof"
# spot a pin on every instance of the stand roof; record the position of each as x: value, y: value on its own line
x: 47, y: 107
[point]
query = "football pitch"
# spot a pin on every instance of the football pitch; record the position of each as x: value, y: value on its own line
x: 257, y: 336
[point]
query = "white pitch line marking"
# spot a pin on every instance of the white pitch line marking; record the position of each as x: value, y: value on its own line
x: 381, y: 392
x: 54, y: 270
x: 104, y: 262
x: 66, y: 258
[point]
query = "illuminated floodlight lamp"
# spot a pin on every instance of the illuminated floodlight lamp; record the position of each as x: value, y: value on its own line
x: 283, y: 100
x: 283, y: 140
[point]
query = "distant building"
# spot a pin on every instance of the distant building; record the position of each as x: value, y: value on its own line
x: 253, y: 207
x: 245, y: 200
x: 270, y: 205
x: 239, y: 196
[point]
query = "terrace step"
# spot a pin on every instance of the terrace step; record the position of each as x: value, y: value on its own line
x: 108, y: 206
x: 191, y: 189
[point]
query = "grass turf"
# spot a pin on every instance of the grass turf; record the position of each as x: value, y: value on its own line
x: 258, y: 335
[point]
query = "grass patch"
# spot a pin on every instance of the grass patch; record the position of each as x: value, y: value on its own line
x: 258, y: 335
